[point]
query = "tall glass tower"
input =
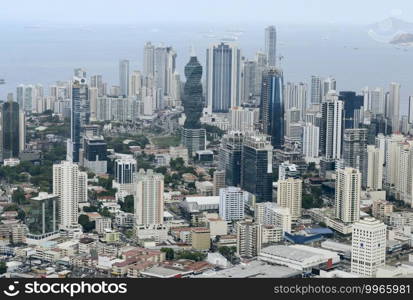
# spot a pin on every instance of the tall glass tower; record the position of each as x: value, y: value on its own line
x: 272, y: 106
x: 80, y: 115
x: 271, y: 45
x: 12, y: 130
x: 193, y: 136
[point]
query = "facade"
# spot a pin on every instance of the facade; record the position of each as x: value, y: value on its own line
x: 393, y: 107
x: 271, y: 45
x: 218, y: 181
x: 368, y: 251
x: 230, y: 157
x: 149, y: 59
x: 355, y: 151
x: 269, y: 213
x: 12, y: 130
x: 149, y: 201
x: 352, y: 108
x: 231, y: 204
x: 70, y: 185
x: 332, y: 127
x: 201, y: 238
x: 375, y: 161
x: 249, y: 238
x: 256, y: 167
x: 194, y: 140
x: 244, y: 119
x: 347, y: 199
x: 316, y: 91
x: 223, y: 61
x: 124, y: 77
x: 80, y: 115
x: 95, y: 154
x: 311, y: 140
x: 272, y: 115
x: 42, y: 218
x: 289, y: 195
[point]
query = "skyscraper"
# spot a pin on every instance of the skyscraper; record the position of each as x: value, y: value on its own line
x: 70, y: 184
x: 352, y: 106
x: 223, y: 77
x: 230, y: 157
x: 149, y: 202
x: 149, y: 59
x: 12, y: 130
x: 355, y: 151
x: 347, y: 200
x: 272, y: 106
x: 248, y: 74
x: 311, y: 140
x: 42, y: 218
x: 375, y: 161
x: 231, y: 204
x: 329, y: 84
x: 368, y: 249
x: 256, y: 167
x: 249, y: 238
x: 271, y: 46
x: 295, y: 95
x: 289, y: 195
x: 394, y: 106
x: 80, y: 115
x: 193, y: 136
x: 332, y: 127
x: 410, y: 115
x: 316, y: 90
x: 124, y: 77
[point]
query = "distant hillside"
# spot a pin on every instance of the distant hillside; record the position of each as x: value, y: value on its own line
x: 404, y: 38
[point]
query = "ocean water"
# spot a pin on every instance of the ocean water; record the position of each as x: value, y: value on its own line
x: 45, y: 54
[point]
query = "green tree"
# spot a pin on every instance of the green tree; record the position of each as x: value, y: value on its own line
x: 3, y: 267
x: 128, y: 204
x: 169, y: 253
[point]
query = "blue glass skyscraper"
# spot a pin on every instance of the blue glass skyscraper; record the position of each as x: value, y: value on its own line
x: 272, y: 106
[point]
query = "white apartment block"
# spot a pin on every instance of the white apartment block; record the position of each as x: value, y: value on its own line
x: 347, y: 200
x: 269, y: 213
x: 231, y: 204
x: 289, y: 195
x: 368, y: 251
x: 70, y: 185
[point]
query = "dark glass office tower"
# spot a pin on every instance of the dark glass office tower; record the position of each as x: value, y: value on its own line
x: 230, y: 157
x: 256, y: 167
x: 272, y: 106
x: 80, y: 114
x: 192, y: 100
x: 352, y: 105
x: 42, y: 215
x: 355, y: 150
x: 193, y: 136
x: 12, y: 131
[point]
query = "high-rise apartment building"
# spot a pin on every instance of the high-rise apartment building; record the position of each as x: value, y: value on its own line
x: 149, y: 201
x: 368, y: 250
x: 70, y: 185
x: 332, y: 127
x: 249, y: 238
x: 311, y: 140
x: 223, y: 69
x: 124, y: 77
x: 347, y: 199
x: 289, y: 195
x: 375, y: 161
x: 355, y: 151
x: 231, y: 204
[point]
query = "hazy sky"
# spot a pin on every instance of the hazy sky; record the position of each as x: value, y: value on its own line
x: 84, y: 12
